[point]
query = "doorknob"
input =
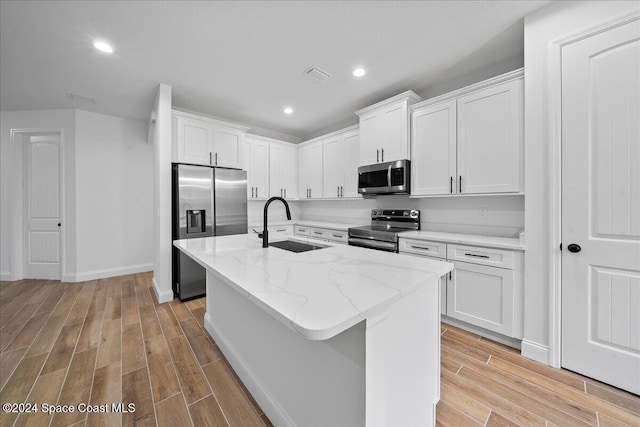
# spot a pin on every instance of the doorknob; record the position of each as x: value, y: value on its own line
x: 574, y: 248
x: 58, y: 224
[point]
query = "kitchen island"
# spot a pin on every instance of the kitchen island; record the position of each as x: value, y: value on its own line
x: 335, y: 336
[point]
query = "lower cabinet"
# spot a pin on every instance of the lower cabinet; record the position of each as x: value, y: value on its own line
x: 484, y: 289
x: 483, y: 296
x: 322, y: 233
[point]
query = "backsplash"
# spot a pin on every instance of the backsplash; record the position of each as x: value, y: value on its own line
x: 501, y: 216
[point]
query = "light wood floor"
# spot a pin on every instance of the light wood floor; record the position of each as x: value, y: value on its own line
x: 108, y: 341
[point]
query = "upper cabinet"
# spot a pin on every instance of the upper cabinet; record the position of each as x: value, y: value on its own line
x: 384, y: 129
x: 282, y: 169
x: 340, y: 164
x: 470, y: 141
x: 255, y: 160
x: 310, y: 170
x: 205, y: 141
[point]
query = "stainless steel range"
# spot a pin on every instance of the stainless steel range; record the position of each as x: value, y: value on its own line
x: 385, y: 226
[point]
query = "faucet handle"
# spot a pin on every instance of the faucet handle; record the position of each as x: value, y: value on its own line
x: 260, y: 235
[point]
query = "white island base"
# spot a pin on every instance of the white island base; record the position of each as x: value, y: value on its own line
x: 383, y: 371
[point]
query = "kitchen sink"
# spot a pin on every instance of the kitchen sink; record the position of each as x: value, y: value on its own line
x: 296, y: 246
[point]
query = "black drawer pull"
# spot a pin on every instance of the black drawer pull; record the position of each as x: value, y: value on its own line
x: 420, y: 247
x: 304, y: 230
x: 478, y: 256
x: 281, y: 229
x: 339, y: 236
x: 317, y: 232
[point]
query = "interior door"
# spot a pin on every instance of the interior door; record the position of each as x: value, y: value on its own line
x: 42, y: 207
x: 601, y: 206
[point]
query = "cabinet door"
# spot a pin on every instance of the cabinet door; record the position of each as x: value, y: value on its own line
x: 195, y: 141
x: 482, y: 296
x: 332, y: 168
x: 260, y: 166
x: 276, y: 187
x: 315, y: 171
x: 394, y: 132
x: 304, y: 163
x: 289, y: 176
x: 433, y: 145
x: 351, y: 152
x: 490, y: 139
x: 247, y: 164
x: 227, y: 145
x: 369, y: 139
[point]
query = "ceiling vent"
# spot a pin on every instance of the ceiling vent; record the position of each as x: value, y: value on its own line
x: 79, y: 99
x: 316, y: 75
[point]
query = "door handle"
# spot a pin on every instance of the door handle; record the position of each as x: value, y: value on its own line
x: 216, y: 159
x: 285, y: 193
x: 59, y: 224
x: 252, y: 192
x: 377, y: 155
x: 574, y: 248
x: 382, y: 150
x: 281, y: 192
x: 460, y: 183
x: 210, y: 162
x: 338, y: 191
x: 451, y: 185
x: 341, y: 191
x: 256, y: 191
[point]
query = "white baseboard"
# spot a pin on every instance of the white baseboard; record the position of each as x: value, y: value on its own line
x: 103, y: 274
x: 494, y: 336
x: 5, y: 276
x: 535, y: 351
x: 163, y: 296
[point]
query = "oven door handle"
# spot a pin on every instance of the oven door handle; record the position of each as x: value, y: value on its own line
x: 373, y: 244
x: 389, y: 177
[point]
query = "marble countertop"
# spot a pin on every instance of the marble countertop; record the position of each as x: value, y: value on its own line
x: 318, y: 293
x: 466, y: 239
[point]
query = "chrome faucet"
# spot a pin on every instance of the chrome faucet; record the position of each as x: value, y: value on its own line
x: 265, y: 232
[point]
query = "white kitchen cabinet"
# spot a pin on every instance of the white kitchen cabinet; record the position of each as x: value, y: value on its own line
x: 255, y: 160
x: 327, y: 234
x: 433, y: 146
x: 483, y: 296
x: 384, y: 129
x: 194, y: 142
x: 282, y: 169
x: 490, y: 139
x: 340, y: 165
x: 310, y: 170
x: 205, y: 141
x: 469, y: 141
x: 227, y: 145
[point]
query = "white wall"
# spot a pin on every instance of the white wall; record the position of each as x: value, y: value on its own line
x: 542, y: 27
x: 114, y: 193
x: 11, y: 179
x: 107, y: 167
x: 161, y: 138
x: 504, y: 214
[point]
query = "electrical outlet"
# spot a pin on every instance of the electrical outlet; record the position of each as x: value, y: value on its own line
x: 483, y: 212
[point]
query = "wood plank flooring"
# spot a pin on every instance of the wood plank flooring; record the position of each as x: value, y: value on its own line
x: 109, y: 341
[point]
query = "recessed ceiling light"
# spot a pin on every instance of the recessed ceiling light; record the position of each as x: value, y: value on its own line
x: 359, y: 72
x: 288, y: 110
x: 103, y: 47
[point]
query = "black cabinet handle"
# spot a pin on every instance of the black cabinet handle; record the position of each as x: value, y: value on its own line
x: 478, y: 256
x: 460, y: 183
x: 575, y: 248
x: 419, y: 247
x: 451, y: 185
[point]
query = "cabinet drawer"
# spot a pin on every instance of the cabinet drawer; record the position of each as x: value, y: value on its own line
x: 302, y: 230
x: 423, y: 247
x: 318, y: 233
x: 482, y: 256
x: 281, y: 229
x: 337, y: 236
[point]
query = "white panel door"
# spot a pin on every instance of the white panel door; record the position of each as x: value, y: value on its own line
x: 227, y: 145
x: 601, y: 206
x: 490, y: 139
x: 433, y: 158
x: 195, y: 141
x: 42, y: 207
x: 315, y: 170
x: 276, y: 184
x: 289, y: 167
x: 351, y: 157
x: 333, y: 169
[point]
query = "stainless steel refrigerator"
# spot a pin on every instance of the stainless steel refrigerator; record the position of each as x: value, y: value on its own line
x: 206, y: 202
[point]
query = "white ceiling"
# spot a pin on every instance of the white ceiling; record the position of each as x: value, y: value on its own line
x: 244, y: 61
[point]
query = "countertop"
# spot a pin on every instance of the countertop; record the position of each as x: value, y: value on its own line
x: 318, y: 293
x: 466, y: 239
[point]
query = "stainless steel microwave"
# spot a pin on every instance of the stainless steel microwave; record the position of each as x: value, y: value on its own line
x: 385, y: 178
